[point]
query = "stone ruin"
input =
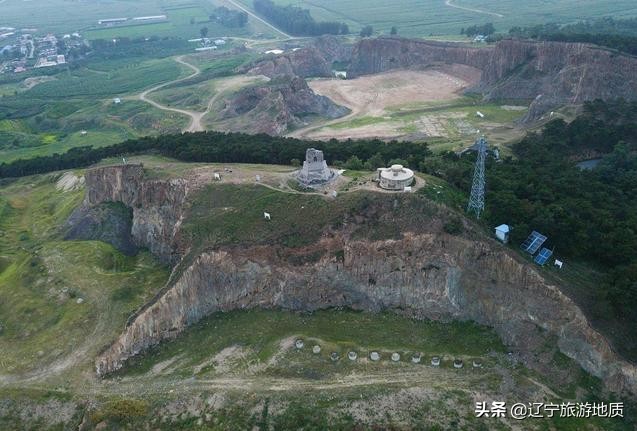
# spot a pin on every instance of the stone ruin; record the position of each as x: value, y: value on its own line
x: 315, y: 171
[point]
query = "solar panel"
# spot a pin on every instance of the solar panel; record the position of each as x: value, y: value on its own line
x: 543, y: 256
x: 533, y: 242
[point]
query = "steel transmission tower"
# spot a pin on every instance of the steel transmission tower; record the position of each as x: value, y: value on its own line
x: 476, y: 200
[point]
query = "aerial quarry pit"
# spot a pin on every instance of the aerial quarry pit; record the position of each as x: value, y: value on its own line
x: 375, y: 99
x: 329, y: 215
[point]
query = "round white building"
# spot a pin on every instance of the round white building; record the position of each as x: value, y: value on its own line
x: 396, y: 177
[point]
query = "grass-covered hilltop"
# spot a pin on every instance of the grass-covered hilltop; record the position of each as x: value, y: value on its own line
x: 253, y: 215
x: 66, y: 301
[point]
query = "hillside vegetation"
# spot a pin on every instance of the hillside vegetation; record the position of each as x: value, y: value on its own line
x: 60, y: 300
x: 589, y: 216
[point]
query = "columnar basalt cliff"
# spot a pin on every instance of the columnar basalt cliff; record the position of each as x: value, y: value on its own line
x: 157, y: 205
x: 425, y: 274
x: 550, y: 73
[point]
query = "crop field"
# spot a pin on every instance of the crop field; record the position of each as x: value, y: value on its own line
x: 125, y: 79
x: 50, y: 117
x: 185, y: 18
x: 440, y: 17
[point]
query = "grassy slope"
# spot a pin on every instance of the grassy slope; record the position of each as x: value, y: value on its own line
x: 36, y: 266
x: 42, y: 277
x: 82, y: 100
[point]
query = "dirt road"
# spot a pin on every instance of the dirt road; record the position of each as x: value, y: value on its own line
x: 377, y: 95
x: 448, y: 3
x: 195, y: 117
x: 238, y: 6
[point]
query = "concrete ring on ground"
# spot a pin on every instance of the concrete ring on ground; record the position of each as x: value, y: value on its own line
x: 334, y: 356
x: 416, y: 358
x: 316, y: 349
x: 395, y: 357
x: 457, y: 363
x: 374, y: 356
x: 477, y: 364
x: 299, y: 344
x: 352, y: 355
x: 435, y: 361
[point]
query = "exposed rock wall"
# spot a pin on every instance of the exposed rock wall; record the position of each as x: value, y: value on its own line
x: 157, y: 205
x: 276, y: 107
x: 550, y: 73
x: 314, y: 60
x: 428, y: 274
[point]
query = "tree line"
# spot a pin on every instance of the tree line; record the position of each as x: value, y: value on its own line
x: 229, y: 18
x: 588, y: 215
x: 617, y: 34
x: 484, y: 30
x: 226, y: 148
x: 297, y: 21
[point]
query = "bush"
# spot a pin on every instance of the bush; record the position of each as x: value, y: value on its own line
x: 454, y: 226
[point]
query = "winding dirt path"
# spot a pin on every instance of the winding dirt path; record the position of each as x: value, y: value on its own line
x: 195, y: 117
x: 485, y: 12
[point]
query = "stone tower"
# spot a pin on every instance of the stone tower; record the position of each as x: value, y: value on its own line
x: 315, y: 170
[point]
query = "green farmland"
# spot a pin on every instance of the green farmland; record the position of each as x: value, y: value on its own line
x: 184, y: 18
x: 440, y: 17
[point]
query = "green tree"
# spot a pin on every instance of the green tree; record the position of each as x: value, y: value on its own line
x: 394, y: 31
x: 203, y: 32
x: 367, y: 31
x: 376, y: 161
x: 354, y: 163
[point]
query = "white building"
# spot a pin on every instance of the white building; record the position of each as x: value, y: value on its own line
x: 502, y: 233
x: 396, y: 177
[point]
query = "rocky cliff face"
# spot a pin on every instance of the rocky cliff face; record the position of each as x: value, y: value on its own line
x: 549, y: 73
x: 425, y: 274
x: 315, y: 60
x: 277, y: 107
x: 157, y: 205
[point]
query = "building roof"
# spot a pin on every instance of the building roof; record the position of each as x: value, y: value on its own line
x: 503, y: 228
x: 396, y: 173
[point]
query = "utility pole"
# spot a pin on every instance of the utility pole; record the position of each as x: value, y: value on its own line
x: 476, y: 200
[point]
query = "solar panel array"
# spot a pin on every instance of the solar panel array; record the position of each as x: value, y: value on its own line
x: 533, y: 242
x: 543, y: 256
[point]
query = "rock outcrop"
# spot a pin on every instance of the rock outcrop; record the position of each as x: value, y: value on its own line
x: 549, y: 73
x: 157, y: 205
x: 277, y: 107
x: 108, y: 222
x: 424, y: 274
x: 312, y: 61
